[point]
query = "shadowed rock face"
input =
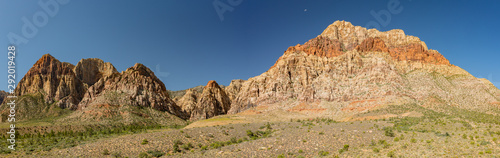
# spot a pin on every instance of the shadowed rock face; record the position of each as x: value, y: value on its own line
x: 92, y: 69
x: 55, y: 80
x: 212, y: 102
x: 3, y: 95
x: 137, y: 86
x: 349, y: 63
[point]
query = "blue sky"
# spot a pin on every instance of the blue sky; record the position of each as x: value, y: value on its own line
x: 187, y: 44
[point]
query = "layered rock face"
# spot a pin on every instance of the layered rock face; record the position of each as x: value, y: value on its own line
x: 55, y: 80
x: 347, y: 64
x: 234, y: 88
x: 137, y: 86
x: 92, y: 69
x: 212, y: 102
x: 188, y: 101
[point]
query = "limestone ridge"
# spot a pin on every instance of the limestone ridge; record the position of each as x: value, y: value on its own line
x: 347, y: 63
x: 212, y: 102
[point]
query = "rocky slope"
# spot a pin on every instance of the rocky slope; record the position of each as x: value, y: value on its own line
x: 212, y: 102
x: 360, y: 69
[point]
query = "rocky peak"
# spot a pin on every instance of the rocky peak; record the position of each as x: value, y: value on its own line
x: 55, y: 80
x: 342, y: 36
x: 137, y: 86
x: 92, y: 69
x: 212, y: 102
x: 211, y: 84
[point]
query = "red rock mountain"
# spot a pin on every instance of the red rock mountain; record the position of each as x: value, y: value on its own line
x: 55, y: 80
x: 137, y: 86
x: 94, y: 83
x: 349, y: 68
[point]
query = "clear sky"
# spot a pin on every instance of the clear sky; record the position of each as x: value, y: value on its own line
x: 187, y: 43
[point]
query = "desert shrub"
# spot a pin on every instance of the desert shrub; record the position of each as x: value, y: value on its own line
x: 413, y: 140
x: 301, y: 151
x: 204, y: 147
x: 323, y: 153
x: 105, y: 152
x: 216, y: 145
x: 144, y: 141
x: 388, y: 131
x: 156, y: 153
x: 391, y: 154
x: 143, y: 155
x: 376, y: 150
x: 344, y: 149
x: 233, y: 140
x: 116, y: 154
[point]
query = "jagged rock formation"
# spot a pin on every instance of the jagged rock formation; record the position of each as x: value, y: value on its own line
x: 137, y: 86
x: 353, y: 66
x: 92, y: 69
x: 212, y: 102
x: 188, y: 101
x: 92, y: 83
x: 55, y: 80
x: 234, y: 88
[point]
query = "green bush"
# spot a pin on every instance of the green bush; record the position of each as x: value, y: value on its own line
x: 143, y: 155
x: 156, y: 153
x: 144, y: 141
x: 105, y: 152
x: 323, y: 153
x: 391, y: 154
x: 413, y: 140
x: 389, y: 132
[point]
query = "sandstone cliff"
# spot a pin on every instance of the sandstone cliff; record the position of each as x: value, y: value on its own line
x: 212, y: 102
x: 92, y: 69
x: 55, y: 80
x: 137, y: 86
x: 233, y: 89
x: 188, y: 101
